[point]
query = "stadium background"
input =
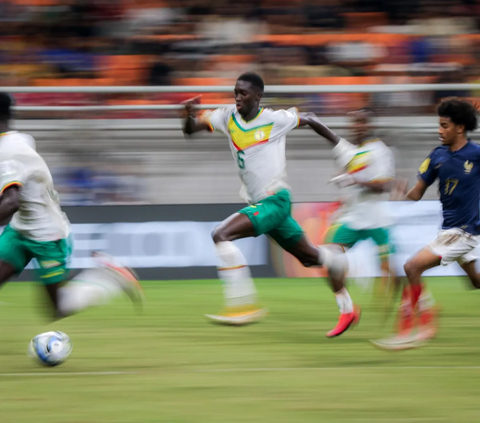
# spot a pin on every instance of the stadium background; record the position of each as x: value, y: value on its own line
x: 96, y: 83
x: 101, y: 155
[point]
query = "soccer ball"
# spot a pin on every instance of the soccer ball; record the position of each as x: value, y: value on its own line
x: 50, y: 348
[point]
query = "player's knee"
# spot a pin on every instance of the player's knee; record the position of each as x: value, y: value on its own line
x: 220, y: 234
x: 308, y: 261
x: 411, y: 269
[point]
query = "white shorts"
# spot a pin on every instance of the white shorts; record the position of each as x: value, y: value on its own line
x: 454, y: 245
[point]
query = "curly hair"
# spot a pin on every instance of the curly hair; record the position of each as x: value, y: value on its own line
x: 460, y: 112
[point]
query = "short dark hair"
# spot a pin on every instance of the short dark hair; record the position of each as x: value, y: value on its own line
x: 369, y: 113
x: 460, y: 112
x: 254, y: 79
x: 6, y: 103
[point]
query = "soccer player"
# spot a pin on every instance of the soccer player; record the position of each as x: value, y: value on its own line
x: 456, y: 165
x: 257, y: 141
x: 40, y: 231
x: 367, y: 172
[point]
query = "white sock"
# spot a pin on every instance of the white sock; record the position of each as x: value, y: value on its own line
x: 239, y: 288
x: 89, y: 288
x: 345, y: 304
x: 333, y: 258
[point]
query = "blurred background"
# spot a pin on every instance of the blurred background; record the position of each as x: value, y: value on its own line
x: 102, y: 155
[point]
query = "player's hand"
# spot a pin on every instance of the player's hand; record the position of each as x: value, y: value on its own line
x: 191, y: 103
x: 344, y: 180
x: 399, y: 190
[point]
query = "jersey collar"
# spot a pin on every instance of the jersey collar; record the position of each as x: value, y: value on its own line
x: 260, y: 111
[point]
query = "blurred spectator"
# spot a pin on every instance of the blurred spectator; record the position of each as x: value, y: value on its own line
x: 160, y: 72
x: 324, y: 15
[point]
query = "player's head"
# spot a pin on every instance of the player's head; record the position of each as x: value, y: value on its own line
x: 6, y: 104
x: 361, y: 125
x: 248, y: 92
x: 456, y: 118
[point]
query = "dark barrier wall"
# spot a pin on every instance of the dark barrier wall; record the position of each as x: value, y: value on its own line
x: 161, y: 242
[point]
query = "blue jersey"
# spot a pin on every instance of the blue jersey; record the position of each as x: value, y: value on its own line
x: 458, y: 174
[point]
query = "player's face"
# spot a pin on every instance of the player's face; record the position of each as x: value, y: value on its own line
x: 448, y: 131
x: 247, y: 97
x: 360, y: 127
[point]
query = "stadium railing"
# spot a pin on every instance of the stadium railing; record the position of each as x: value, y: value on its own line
x: 335, y: 99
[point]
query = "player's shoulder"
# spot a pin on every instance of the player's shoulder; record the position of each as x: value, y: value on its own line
x: 378, y: 144
x: 473, y: 149
x: 438, y: 152
x: 280, y: 116
x: 17, y: 140
x: 226, y: 110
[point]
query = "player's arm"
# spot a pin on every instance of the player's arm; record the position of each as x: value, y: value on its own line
x: 191, y: 123
x: 314, y: 122
x: 400, y: 191
x: 417, y: 192
x: 378, y: 186
x: 9, y: 202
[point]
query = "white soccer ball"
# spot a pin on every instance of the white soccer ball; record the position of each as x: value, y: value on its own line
x: 50, y: 348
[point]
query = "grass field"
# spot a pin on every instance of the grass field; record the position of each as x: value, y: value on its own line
x: 178, y: 368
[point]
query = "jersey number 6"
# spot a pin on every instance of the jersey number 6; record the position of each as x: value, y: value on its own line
x: 241, y: 159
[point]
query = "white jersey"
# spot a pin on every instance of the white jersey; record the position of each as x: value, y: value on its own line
x: 258, y: 147
x: 39, y: 217
x: 369, y: 162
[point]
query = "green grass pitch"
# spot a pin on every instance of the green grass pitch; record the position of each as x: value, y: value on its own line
x: 177, y: 368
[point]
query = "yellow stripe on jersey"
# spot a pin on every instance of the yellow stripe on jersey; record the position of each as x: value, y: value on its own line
x: 358, y: 162
x: 246, y: 138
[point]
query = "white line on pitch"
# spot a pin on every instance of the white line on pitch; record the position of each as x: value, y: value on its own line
x: 66, y: 374
x: 295, y: 369
x: 240, y: 370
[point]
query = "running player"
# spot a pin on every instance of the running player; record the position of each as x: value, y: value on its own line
x: 367, y: 172
x: 40, y: 231
x: 257, y: 141
x: 456, y: 165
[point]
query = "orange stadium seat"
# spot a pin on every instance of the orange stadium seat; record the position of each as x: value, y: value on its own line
x: 333, y: 80
x: 363, y: 21
x: 321, y: 39
x: 125, y: 69
x: 203, y: 81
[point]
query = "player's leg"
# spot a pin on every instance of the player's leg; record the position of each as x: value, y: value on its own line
x: 13, y: 257
x: 471, y: 269
x: 6, y: 272
x: 414, y: 268
x: 389, y: 284
x: 342, y: 237
x: 240, y: 295
x: 91, y: 287
x: 290, y: 236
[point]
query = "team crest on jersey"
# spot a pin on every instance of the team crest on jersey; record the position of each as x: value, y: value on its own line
x: 468, y: 166
x: 259, y: 135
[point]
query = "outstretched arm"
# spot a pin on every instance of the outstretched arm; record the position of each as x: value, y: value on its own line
x: 377, y: 186
x: 400, y: 193
x: 191, y: 123
x: 314, y: 122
